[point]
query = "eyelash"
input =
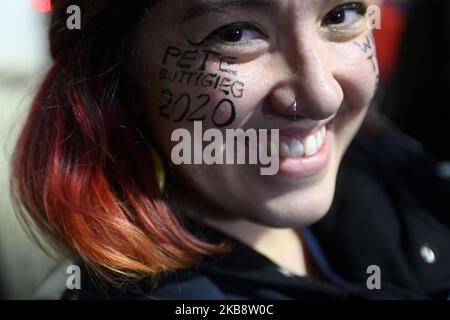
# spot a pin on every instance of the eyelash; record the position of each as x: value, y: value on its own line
x: 360, y: 8
x: 243, y: 26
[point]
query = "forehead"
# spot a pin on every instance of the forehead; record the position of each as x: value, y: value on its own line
x: 196, y: 7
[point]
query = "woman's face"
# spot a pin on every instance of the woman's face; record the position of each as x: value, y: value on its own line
x: 241, y: 64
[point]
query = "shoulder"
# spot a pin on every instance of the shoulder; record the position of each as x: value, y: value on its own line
x: 390, y: 210
x: 183, y: 284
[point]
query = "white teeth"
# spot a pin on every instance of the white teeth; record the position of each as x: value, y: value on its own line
x: 297, y: 149
x: 285, y: 151
x: 319, y: 138
x: 311, y: 146
x: 294, y: 148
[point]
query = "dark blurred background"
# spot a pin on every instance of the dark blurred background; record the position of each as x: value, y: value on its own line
x: 416, y: 94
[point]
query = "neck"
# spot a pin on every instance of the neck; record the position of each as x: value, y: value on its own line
x: 282, y: 246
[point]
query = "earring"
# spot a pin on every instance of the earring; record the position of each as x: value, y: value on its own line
x: 159, y: 170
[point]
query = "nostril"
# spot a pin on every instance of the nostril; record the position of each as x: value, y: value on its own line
x: 284, y: 102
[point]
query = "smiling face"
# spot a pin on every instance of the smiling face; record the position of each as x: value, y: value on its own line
x: 305, y: 67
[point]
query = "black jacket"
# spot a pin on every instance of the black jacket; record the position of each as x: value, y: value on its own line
x: 390, y: 210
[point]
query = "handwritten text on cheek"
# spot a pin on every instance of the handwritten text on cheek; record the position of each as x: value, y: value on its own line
x: 189, y: 66
x: 368, y: 48
x: 206, y: 70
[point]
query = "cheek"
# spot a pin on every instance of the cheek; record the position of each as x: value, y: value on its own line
x: 180, y: 97
x: 357, y: 72
x: 184, y: 88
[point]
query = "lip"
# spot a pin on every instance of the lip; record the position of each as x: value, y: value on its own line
x: 302, y: 134
x: 307, y: 166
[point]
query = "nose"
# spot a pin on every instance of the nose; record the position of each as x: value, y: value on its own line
x: 309, y: 88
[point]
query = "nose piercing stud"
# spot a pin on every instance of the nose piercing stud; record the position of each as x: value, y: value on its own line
x: 294, y: 108
x: 294, y: 105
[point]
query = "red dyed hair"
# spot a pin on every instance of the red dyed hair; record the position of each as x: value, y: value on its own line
x: 82, y: 171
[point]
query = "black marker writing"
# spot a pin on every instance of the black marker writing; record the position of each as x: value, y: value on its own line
x: 186, y: 67
x: 368, y: 47
x: 183, y: 107
x: 197, y: 60
x: 235, y: 88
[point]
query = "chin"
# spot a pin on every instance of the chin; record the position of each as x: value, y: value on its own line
x: 302, y: 206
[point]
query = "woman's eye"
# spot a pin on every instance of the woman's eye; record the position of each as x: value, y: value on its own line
x: 235, y: 34
x: 346, y: 14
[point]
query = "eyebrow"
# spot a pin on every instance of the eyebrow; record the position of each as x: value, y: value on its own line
x: 200, y: 7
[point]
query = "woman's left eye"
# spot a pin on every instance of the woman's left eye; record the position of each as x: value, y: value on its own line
x: 346, y: 14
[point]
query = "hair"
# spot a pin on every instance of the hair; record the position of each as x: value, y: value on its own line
x: 82, y: 171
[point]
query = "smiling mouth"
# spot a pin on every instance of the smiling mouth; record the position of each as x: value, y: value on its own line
x: 300, y: 144
x: 296, y: 147
x: 305, y: 153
